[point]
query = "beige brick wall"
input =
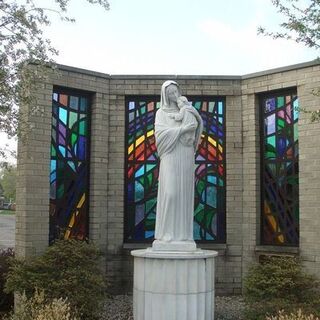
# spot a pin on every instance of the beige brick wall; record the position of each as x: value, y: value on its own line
x: 108, y: 158
x: 305, y: 78
x: 32, y: 219
x: 119, y: 265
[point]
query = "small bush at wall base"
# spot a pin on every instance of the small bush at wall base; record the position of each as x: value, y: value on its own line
x: 299, y: 315
x: 68, y: 269
x: 279, y: 283
x: 39, y: 308
x: 6, y: 300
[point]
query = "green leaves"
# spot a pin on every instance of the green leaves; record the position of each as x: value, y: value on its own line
x: 8, y: 182
x: 279, y: 283
x: 68, y: 269
x: 301, y: 23
x: 22, y: 42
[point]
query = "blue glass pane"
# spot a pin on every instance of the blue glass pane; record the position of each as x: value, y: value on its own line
x: 63, y: 115
x: 83, y: 104
x: 74, y: 102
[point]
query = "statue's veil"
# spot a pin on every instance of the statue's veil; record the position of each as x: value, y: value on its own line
x: 164, y: 103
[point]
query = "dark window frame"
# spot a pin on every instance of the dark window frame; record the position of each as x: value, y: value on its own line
x: 90, y: 96
x: 156, y: 98
x: 292, y: 91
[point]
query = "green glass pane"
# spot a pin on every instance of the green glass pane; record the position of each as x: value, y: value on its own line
x: 74, y: 138
x: 271, y: 142
x: 150, y: 224
x: 288, y: 131
x: 211, y: 106
x: 82, y: 128
x: 143, y: 110
x: 280, y: 102
x: 294, y: 180
x: 198, y: 209
x: 200, y: 186
x: 73, y: 117
x: 270, y: 147
x: 197, y: 105
x: 199, y: 213
x: 142, y: 180
x: 60, y: 191
x: 271, y: 167
x: 280, y: 124
x: 270, y: 155
x: 139, y: 191
x: 149, y: 179
x: 208, y: 217
x: 53, y: 151
x: 282, y: 172
x: 295, y: 130
x: 150, y: 167
x: 150, y: 204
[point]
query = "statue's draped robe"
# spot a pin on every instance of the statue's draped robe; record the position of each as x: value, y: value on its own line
x: 175, y: 203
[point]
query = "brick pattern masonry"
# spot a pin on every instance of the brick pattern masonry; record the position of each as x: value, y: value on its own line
x: 107, y: 167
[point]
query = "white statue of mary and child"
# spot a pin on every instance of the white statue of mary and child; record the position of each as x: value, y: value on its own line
x: 178, y: 129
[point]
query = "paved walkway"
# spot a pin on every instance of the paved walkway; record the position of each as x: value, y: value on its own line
x: 7, y: 230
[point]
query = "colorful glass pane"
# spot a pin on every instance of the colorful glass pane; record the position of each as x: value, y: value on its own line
x: 280, y: 183
x: 69, y: 166
x: 142, y: 168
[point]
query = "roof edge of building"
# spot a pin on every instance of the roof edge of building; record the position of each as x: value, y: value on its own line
x: 302, y: 65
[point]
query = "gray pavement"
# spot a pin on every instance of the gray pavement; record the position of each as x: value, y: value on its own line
x: 7, y: 231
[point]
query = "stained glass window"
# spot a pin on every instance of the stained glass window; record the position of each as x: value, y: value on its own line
x: 69, y: 165
x: 142, y: 169
x: 280, y: 167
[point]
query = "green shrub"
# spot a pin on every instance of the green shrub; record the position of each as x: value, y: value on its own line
x: 279, y: 283
x: 299, y: 315
x: 39, y: 308
x: 6, y: 300
x: 68, y: 269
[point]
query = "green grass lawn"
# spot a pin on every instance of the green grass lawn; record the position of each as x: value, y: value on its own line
x: 7, y: 212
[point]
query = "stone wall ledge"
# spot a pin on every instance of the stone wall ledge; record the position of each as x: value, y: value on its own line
x: 274, y: 250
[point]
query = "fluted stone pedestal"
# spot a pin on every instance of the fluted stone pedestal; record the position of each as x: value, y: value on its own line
x: 173, y: 285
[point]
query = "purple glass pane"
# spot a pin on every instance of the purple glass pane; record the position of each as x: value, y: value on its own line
x: 82, y: 148
x: 62, y: 140
x: 270, y: 105
x: 62, y: 129
x: 139, y: 214
x: 270, y: 123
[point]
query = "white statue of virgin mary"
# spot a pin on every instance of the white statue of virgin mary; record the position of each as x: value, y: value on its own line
x: 175, y: 203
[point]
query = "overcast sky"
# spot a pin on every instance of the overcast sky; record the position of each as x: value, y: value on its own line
x: 173, y: 37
